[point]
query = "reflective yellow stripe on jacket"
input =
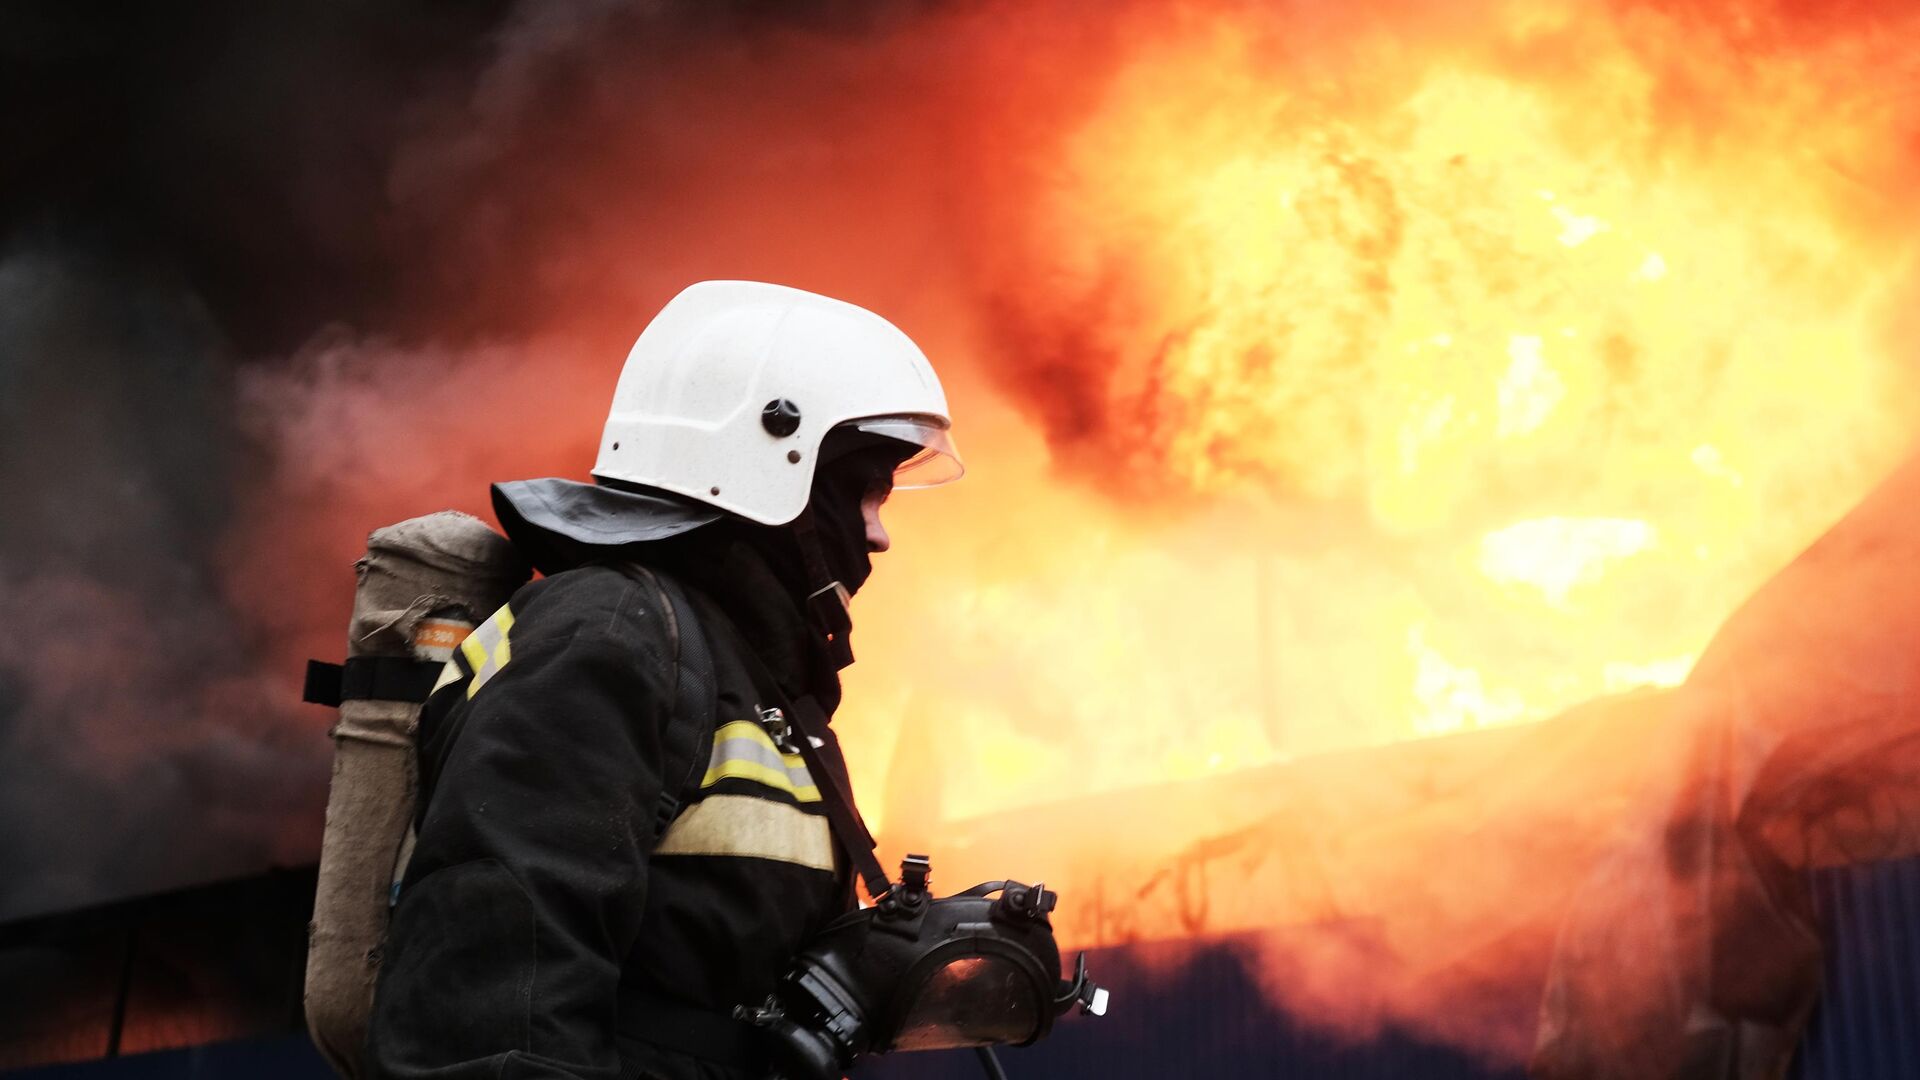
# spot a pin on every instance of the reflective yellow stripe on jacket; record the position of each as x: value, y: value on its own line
x: 483, y: 653
x: 743, y: 750
x: 754, y: 826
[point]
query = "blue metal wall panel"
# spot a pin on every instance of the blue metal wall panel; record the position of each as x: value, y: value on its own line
x: 286, y: 1057
x: 1206, y: 1017
x: 1868, y: 1025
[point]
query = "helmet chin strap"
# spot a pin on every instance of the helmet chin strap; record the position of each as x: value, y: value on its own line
x: 828, y: 603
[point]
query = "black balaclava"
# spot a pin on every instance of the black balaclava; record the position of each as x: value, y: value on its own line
x: 780, y: 626
x: 847, y: 472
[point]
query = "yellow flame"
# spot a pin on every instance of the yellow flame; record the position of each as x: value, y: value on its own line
x: 1496, y: 391
x: 1453, y: 698
x: 1555, y: 554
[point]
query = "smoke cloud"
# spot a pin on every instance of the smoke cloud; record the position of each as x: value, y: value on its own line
x: 274, y: 278
x: 145, y: 741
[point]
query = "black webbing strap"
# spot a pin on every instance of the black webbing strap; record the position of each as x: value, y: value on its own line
x: 704, y: 1033
x: 370, y: 678
x: 828, y: 768
x: 830, y: 771
x: 695, y: 688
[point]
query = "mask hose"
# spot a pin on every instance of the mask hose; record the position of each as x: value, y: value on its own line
x: 990, y: 1063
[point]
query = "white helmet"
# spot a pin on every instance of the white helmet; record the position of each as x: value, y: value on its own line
x: 731, y: 388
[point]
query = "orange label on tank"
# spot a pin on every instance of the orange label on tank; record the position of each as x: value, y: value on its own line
x: 440, y: 634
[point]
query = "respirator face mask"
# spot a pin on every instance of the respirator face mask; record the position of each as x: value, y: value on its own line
x: 977, y: 969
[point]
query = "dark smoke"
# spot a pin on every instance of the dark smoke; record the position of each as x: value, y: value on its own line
x: 188, y: 188
x: 140, y: 743
x: 185, y: 188
x: 273, y: 275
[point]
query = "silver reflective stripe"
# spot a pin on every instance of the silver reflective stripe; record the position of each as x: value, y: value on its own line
x: 743, y: 751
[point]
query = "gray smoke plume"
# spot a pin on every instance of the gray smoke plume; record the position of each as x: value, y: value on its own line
x: 238, y: 242
x: 186, y: 189
x: 141, y: 744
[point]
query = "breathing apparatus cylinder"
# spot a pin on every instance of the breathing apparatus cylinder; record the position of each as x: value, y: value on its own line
x: 977, y: 969
x: 422, y: 586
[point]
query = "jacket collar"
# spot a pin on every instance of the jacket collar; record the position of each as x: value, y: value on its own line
x: 740, y: 578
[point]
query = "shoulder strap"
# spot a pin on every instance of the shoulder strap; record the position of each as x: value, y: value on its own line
x: 829, y: 767
x: 820, y: 749
x: 694, y: 690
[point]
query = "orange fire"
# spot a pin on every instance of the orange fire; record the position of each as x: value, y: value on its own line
x: 1489, y: 365
x: 1332, y: 376
x: 1427, y: 376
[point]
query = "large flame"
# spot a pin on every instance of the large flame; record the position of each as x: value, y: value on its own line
x: 1490, y: 372
x: 1340, y: 376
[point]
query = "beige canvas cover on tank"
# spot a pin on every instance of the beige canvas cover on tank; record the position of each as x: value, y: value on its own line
x: 423, y: 585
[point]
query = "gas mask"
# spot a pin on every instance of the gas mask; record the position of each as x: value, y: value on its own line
x: 978, y: 969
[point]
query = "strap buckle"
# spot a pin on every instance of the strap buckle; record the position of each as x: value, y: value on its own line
x: 831, y: 608
x: 775, y: 723
x: 915, y: 872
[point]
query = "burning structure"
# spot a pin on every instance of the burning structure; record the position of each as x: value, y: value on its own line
x: 1332, y: 379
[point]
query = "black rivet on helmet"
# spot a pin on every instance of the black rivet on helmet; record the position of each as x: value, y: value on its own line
x: 713, y: 491
x: 781, y: 418
x: 793, y: 457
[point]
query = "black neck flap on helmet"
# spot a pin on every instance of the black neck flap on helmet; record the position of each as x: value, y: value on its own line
x: 559, y: 523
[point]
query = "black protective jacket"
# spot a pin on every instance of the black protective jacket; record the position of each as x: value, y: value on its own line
x: 539, y: 916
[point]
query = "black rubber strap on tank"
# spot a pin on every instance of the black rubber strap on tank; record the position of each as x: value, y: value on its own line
x: 370, y: 678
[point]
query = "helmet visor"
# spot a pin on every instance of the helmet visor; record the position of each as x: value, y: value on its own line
x: 937, y: 461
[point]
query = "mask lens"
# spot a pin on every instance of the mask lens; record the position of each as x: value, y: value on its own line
x: 972, y: 1001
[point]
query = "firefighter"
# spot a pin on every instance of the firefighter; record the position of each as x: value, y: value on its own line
x: 610, y: 858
